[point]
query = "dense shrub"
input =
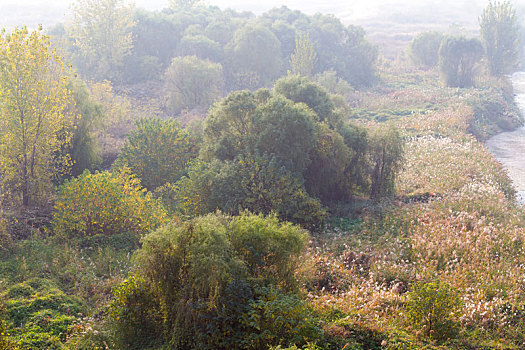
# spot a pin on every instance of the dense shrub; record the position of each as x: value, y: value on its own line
x: 158, y: 152
x: 457, y: 59
x: 432, y: 307
x: 259, y: 184
x: 105, y: 203
x: 202, y: 279
x: 424, y: 48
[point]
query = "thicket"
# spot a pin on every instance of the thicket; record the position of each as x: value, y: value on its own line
x: 214, y: 282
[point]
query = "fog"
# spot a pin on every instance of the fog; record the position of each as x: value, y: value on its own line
x: 463, y: 12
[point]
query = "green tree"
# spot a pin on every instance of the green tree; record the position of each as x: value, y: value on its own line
x: 158, y: 152
x: 500, y: 35
x: 200, y: 46
x: 191, y: 82
x: 304, y: 58
x: 84, y: 150
x: 36, y: 123
x: 424, y: 48
x: 183, y: 4
x: 255, y: 49
x: 457, y: 59
x: 386, y: 157
x: 101, y: 30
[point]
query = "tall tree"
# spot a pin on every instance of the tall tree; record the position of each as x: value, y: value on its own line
x: 304, y: 57
x: 35, y: 121
x: 500, y: 35
x: 101, y: 30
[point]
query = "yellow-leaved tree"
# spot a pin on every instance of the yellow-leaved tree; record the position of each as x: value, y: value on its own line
x: 35, y: 124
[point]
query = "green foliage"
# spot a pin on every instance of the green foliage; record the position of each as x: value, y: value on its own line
x: 386, y: 157
x: 258, y: 184
x: 199, y: 279
x: 5, y: 343
x: 304, y: 58
x: 192, y: 82
x: 332, y: 83
x: 277, y: 318
x: 105, y: 203
x: 101, y: 31
x: 255, y: 49
x: 84, y: 151
x: 135, y: 316
x: 424, y: 48
x: 200, y: 46
x: 432, y: 307
x: 457, y: 58
x: 500, y: 31
x: 158, y: 152
x: 40, y: 314
x: 301, y: 89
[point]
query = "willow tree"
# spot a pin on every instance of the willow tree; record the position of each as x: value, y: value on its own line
x: 35, y: 123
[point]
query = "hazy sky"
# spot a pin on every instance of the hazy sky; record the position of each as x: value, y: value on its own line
x: 48, y: 12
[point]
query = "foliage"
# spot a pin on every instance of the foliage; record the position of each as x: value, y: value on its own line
x: 35, y: 124
x: 259, y: 184
x: 332, y: 83
x: 84, y: 150
x: 105, y: 203
x: 499, y: 31
x: 191, y: 82
x: 158, y: 152
x: 40, y: 314
x: 301, y: 89
x: 200, y: 276
x: 276, y: 318
x: 135, y: 314
x: 304, y: 58
x: 457, y: 57
x: 432, y: 307
x: 424, y: 48
x: 255, y: 49
x: 200, y: 46
x: 101, y: 30
x: 386, y: 156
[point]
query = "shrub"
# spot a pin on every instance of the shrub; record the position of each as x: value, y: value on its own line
x: 433, y: 307
x: 457, y: 58
x: 424, y: 48
x: 199, y: 279
x: 105, y: 203
x: 158, y: 152
x: 277, y: 318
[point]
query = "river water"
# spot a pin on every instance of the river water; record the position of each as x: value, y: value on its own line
x: 509, y: 147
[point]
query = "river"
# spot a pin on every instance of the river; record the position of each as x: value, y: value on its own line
x: 509, y: 147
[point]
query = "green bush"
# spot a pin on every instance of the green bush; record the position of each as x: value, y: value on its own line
x: 105, y: 203
x: 196, y: 281
x: 433, y: 307
x: 158, y: 151
x: 424, y: 48
x: 276, y: 318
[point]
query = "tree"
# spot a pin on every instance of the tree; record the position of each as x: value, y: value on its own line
x: 183, y: 4
x: 386, y: 158
x: 457, y: 58
x: 36, y: 123
x: 255, y: 49
x: 158, y: 152
x: 84, y: 150
x: 424, y: 48
x: 304, y: 58
x: 191, y: 82
x: 101, y: 30
x: 500, y: 35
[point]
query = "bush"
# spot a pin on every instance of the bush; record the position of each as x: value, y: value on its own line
x: 277, y: 318
x: 105, y: 203
x: 158, y: 152
x: 424, y: 48
x: 433, y: 307
x: 199, y: 279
